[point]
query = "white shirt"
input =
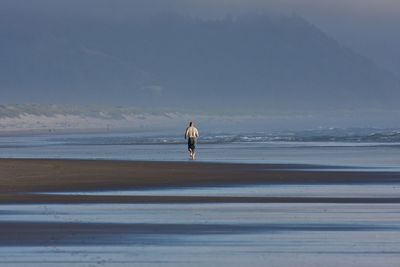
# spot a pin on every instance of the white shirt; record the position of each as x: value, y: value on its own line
x: 191, y: 132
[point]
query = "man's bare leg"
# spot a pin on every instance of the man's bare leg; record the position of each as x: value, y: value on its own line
x: 190, y: 154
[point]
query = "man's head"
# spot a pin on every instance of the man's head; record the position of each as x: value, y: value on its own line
x: 191, y: 123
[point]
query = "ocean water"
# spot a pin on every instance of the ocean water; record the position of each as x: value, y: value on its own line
x: 373, y: 151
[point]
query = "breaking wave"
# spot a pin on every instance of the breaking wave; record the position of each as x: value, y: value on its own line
x: 367, y: 139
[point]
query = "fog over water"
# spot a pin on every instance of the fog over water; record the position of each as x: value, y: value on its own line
x: 296, y: 58
x: 213, y: 54
x: 367, y: 26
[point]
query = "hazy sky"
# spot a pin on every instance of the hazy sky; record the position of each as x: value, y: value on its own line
x: 370, y: 27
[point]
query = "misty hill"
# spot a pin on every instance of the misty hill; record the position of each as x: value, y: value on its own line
x: 252, y: 63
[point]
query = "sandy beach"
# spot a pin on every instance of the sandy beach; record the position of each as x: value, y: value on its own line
x: 42, y: 175
x: 22, y: 179
x: 72, y: 207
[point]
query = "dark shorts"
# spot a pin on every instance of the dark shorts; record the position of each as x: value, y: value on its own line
x: 191, y: 143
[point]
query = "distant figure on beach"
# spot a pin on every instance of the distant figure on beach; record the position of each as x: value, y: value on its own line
x: 191, y: 135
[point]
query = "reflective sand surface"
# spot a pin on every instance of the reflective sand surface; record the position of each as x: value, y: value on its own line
x: 204, y: 234
x: 212, y: 234
x: 387, y: 190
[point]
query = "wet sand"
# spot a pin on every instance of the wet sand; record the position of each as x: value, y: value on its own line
x: 39, y: 233
x: 41, y: 226
x: 41, y: 175
x: 20, y: 179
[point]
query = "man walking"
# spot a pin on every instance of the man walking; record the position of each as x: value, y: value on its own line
x: 191, y: 135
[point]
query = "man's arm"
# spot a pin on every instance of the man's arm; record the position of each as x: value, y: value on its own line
x: 186, y: 133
